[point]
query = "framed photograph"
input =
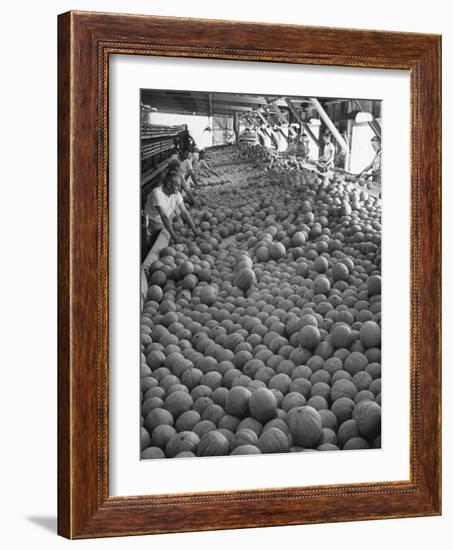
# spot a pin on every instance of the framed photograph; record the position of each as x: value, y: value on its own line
x: 249, y: 275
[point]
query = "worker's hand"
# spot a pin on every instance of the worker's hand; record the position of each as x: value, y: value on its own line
x: 178, y: 239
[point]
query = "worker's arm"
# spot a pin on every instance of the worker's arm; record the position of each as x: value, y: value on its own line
x: 328, y: 156
x: 366, y: 169
x: 167, y: 223
x: 187, y: 191
x: 191, y: 174
x: 185, y: 215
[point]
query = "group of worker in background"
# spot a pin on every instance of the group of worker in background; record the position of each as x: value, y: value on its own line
x: 173, y: 189
x: 299, y: 147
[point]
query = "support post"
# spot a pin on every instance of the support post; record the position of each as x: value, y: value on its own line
x: 303, y: 125
x: 328, y: 122
x: 236, y: 125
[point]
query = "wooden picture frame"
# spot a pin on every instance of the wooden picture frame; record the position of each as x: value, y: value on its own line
x: 85, y: 41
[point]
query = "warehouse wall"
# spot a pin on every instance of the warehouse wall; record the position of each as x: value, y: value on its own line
x: 28, y: 291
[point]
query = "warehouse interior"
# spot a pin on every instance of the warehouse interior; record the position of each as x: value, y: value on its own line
x: 223, y: 119
x: 260, y: 275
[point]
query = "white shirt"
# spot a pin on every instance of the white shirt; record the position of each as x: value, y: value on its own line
x: 167, y: 203
x: 186, y: 167
x: 329, y: 153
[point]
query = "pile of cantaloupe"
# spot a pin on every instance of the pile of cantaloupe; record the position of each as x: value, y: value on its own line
x: 264, y: 334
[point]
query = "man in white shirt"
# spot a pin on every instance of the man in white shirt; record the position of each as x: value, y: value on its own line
x: 163, y: 203
x: 186, y: 167
x: 375, y: 164
x: 326, y: 160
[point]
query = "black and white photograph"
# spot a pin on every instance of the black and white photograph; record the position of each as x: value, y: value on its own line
x: 260, y: 327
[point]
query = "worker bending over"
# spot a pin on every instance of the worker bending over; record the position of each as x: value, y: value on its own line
x: 174, y: 166
x: 187, y: 168
x: 164, y: 202
x: 203, y: 166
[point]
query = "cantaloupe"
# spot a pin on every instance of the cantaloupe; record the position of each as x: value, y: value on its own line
x: 161, y: 435
x: 367, y: 415
x: 370, y: 334
x: 187, y: 421
x: 309, y: 337
x: 273, y: 440
x: 246, y: 450
x: 152, y: 453
x: 213, y: 443
x: 305, y: 426
x: 244, y: 436
x: 145, y: 439
x: 203, y: 427
x: 245, y: 278
x: 157, y: 417
x: 263, y: 404
x: 237, y: 401
x: 178, y: 402
x: 183, y: 441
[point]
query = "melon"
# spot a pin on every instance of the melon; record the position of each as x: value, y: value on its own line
x: 157, y: 417
x: 302, y: 386
x: 183, y: 441
x: 214, y: 413
x: 263, y: 404
x: 370, y: 334
x: 145, y: 439
x: 213, y: 443
x: 328, y: 436
x: 341, y: 336
x: 178, y: 402
x: 374, y: 285
x: 362, y: 380
x: 152, y: 452
x: 187, y: 421
x: 355, y: 362
x: 278, y: 422
x: 327, y: 447
x: 356, y: 443
x: 203, y: 427
x: 280, y: 382
x: 273, y: 440
x: 245, y: 278
x: 208, y: 295
x: 154, y: 293
x: 219, y: 396
x: 340, y: 272
x: 367, y: 415
x: 161, y: 435
x: 151, y: 403
x: 245, y: 436
x: 347, y: 431
x: 321, y: 285
x: 305, y: 426
x: 293, y: 399
x: 343, y: 388
x: 229, y: 422
x: 321, y: 264
x: 237, y: 401
x: 246, y: 450
x: 251, y: 424
x: 309, y: 337
x: 342, y: 408
x: 277, y: 251
x: 328, y: 419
